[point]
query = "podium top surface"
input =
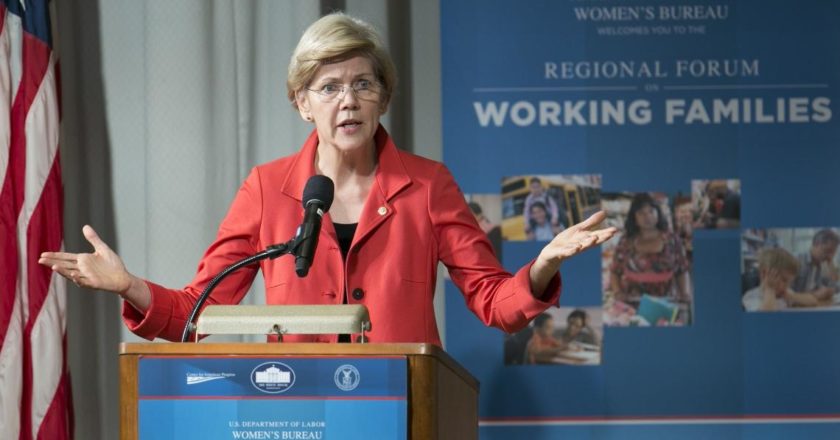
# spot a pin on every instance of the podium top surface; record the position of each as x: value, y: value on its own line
x: 295, y: 349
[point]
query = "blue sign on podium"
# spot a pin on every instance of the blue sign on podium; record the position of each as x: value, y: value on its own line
x: 221, y: 397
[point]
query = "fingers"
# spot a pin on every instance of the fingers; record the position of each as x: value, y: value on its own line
x: 564, y: 251
x: 50, y: 258
x: 593, y: 238
x: 579, y: 240
x: 65, y: 265
x: 589, y: 240
x: 605, y: 234
x: 93, y: 238
x: 67, y: 272
x: 572, y: 242
x: 593, y: 221
x: 71, y: 274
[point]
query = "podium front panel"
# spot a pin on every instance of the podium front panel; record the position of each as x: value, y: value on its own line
x: 272, y: 397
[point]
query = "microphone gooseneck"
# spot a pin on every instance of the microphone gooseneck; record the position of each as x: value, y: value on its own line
x: 317, y: 199
x: 272, y: 252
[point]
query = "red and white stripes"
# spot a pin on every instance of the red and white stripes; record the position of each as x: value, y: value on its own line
x: 35, y: 401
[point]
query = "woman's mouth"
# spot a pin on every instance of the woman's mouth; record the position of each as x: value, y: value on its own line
x: 349, y: 125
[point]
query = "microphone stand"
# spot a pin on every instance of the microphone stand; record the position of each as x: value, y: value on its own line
x: 271, y: 252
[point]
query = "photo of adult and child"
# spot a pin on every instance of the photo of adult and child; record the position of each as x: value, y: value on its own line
x: 540, y: 207
x: 790, y: 269
x: 565, y: 335
x: 646, y: 269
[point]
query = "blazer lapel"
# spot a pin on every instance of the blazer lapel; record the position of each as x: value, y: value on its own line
x: 391, y: 178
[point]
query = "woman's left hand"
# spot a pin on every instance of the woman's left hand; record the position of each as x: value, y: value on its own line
x: 572, y: 241
x: 575, y: 240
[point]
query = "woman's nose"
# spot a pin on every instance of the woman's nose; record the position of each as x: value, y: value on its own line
x: 349, y: 99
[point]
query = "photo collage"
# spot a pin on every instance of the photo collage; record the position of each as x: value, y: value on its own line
x: 646, y: 270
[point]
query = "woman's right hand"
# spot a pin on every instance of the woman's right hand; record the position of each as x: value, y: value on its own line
x: 103, y: 269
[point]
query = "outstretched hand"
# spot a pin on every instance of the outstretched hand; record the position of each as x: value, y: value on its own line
x: 103, y: 269
x: 577, y: 239
x: 572, y: 241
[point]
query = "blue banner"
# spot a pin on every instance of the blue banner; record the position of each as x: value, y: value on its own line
x: 272, y: 398
x: 677, y: 100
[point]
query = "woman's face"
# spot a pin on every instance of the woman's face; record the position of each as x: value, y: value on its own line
x: 539, y: 215
x: 346, y: 123
x: 647, y: 217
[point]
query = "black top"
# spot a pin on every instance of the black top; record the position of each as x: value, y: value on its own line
x: 344, y: 232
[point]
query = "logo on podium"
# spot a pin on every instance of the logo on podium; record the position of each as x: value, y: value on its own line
x: 347, y: 377
x: 273, y: 377
x: 201, y: 377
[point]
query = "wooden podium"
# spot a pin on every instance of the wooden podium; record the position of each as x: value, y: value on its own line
x: 441, y: 396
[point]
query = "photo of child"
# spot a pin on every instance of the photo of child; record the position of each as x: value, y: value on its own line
x: 786, y: 269
x: 565, y: 335
x: 540, y: 207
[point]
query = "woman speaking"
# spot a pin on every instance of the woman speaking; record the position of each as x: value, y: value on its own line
x: 394, y: 217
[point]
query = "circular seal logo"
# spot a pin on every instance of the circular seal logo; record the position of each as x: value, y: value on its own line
x: 273, y: 377
x: 347, y: 377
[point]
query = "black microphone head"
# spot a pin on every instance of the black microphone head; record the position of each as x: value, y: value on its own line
x: 319, y: 189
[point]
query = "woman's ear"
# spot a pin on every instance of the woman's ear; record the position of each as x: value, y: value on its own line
x: 383, y: 107
x: 302, y: 101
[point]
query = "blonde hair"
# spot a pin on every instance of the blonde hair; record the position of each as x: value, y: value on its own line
x: 778, y: 259
x: 337, y: 37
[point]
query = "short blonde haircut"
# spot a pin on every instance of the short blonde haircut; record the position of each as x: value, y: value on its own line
x: 334, y: 38
x: 778, y: 259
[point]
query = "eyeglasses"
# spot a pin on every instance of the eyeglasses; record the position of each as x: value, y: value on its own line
x: 364, y: 89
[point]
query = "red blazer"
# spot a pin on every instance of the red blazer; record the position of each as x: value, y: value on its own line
x: 414, y: 217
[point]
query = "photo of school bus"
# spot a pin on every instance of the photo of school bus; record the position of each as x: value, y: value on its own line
x: 577, y: 197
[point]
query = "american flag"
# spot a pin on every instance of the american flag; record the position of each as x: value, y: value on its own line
x: 34, y: 383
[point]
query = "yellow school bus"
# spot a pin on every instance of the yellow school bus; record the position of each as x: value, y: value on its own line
x: 575, y: 202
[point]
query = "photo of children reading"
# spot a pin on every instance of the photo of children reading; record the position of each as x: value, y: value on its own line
x: 577, y: 341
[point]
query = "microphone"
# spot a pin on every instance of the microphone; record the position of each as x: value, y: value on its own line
x: 317, y: 199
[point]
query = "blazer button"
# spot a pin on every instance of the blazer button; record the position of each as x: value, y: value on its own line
x: 358, y: 294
